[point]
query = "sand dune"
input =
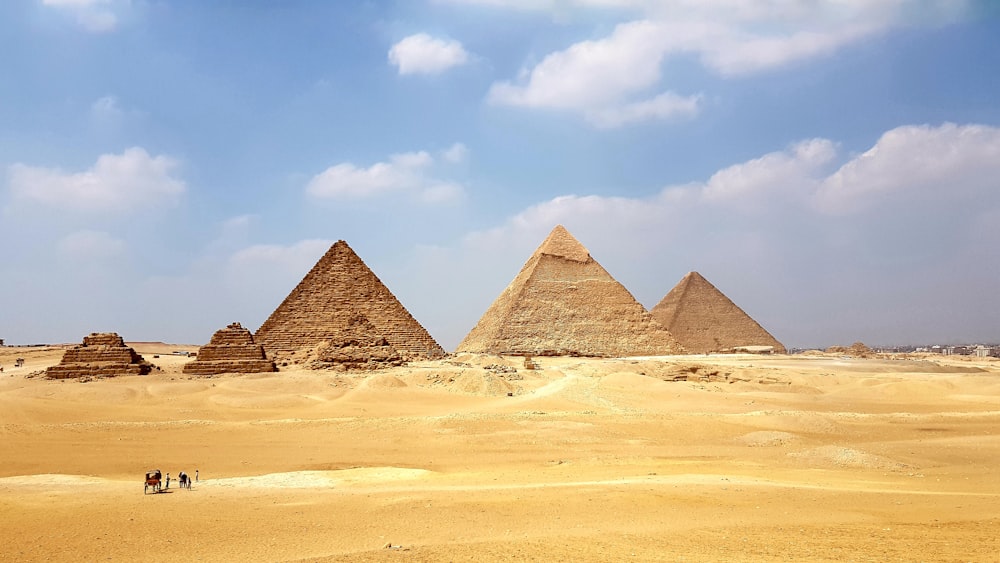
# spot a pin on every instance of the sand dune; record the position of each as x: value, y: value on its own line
x: 464, y: 459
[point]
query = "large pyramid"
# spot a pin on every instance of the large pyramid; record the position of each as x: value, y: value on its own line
x: 564, y: 303
x: 341, y: 287
x: 704, y: 320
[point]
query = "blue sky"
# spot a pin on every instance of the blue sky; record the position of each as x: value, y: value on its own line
x: 168, y: 167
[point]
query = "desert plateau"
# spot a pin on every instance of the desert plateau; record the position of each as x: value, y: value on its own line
x: 729, y: 457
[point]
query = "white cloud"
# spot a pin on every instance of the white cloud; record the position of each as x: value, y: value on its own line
x: 733, y: 53
x: 947, y: 163
x: 612, y: 81
x: 402, y: 173
x: 116, y: 182
x: 591, y: 74
x: 792, y: 172
x: 423, y: 54
x: 665, y: 106
x: 456, y: 153
x: 89, y: 246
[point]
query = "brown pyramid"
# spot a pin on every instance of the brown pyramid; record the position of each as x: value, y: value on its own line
x: 564, y: 303
x: 704, y: 320
x: 341, y: 286
x: 102, y: 354
x: 231, y: 350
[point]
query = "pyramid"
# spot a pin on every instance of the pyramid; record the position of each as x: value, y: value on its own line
x: 704, y: 320
x: 339, y: 288
x: 102, y: 354
x: 564, y: 303
x: 231, y: 350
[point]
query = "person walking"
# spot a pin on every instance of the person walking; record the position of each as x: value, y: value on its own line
x: 195, y: 475
x: 168, y: 482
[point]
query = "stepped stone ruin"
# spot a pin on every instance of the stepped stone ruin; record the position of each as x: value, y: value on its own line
x: 231, y: 350
x: 563, y: 303
x: 328, y: 304
x: 704, y: 320
x: 102, y: 354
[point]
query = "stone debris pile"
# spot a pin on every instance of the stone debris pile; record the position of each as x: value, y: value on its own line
x: 354, y: 344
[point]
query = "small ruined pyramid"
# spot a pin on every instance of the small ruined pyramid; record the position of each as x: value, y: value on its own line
x: 340, y: 286
x: 564, y: 303
x: 102, y: 354
x: 704, y: 320
x: 231, y: 350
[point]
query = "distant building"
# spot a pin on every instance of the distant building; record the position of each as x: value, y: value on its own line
x: 982, y: 352
x: 1, y: 341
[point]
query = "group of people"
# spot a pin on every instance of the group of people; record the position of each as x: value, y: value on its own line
x: 17, y: 363
x: 184, y: 479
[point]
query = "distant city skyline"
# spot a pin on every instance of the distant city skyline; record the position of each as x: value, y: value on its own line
x: 167, y: 168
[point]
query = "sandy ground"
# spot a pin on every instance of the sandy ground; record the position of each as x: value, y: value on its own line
x: 786, y: 458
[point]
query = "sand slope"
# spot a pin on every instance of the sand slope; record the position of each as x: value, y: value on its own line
x: 754, y: 459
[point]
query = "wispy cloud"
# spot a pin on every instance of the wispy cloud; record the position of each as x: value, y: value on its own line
x: 406, y: 173
x: 423, y: 54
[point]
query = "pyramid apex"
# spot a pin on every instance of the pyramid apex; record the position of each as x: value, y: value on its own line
x: 562, y: 244
x: 696, y: 277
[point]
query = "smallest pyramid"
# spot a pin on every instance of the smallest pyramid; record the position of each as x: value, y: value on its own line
x: 231, y: 350
x: 704, y: 320
x: 102, y: 354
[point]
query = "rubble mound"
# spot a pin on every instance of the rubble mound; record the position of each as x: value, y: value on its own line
x: 102, y: 354
x: 355, y: 344
x: 231, y: 350
x: 856, y: 350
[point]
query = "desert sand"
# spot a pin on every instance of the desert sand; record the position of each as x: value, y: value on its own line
x: 805, y: 457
